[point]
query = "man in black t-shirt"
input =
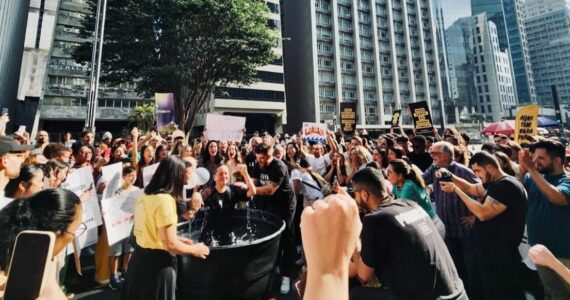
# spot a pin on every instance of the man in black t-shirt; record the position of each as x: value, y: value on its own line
x: 499, y: 227
x: 401, y: 246
x: 419, y: 156
x: 275, y: 194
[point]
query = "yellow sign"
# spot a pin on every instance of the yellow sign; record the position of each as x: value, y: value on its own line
x: 526, y: 123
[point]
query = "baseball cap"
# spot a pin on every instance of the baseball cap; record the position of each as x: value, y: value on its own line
x: 8, y: 144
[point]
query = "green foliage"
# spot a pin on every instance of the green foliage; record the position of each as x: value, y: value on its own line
x: 182, y: 46
x: 143, y: 116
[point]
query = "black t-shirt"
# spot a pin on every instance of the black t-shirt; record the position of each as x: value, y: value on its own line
x: 407, y: 253
x: 251, y: 162
x: 227, y: 199
x: 282, y: 201
x: 422, y: 160
x: 501, y: 236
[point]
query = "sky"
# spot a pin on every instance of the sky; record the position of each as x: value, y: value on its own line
x: 455, y: 9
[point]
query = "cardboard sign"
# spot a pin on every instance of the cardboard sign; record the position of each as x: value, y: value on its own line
x: 119, y: 214
x: 315, y: 132
x: 348, y: 117
x: 422, y: 118
x: 164, y: 110
x: 224, y: 128
x: 396, y: 118
x: 526, y: 123
x: 148, y: 172
x: 80, y: 181
x: 112, y: 176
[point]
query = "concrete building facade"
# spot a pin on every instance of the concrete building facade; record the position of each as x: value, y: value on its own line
x: 547, y: 24
x: 380, y: 54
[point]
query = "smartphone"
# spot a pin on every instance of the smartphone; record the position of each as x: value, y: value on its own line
x: 188, y: 193
x: 107, y: 154
x: 4, y: 111
x: 28, y: 265
x: 22, y: 128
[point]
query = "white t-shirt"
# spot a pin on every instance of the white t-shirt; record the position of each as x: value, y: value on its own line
x: 306, y: 180
x: 320, y: 164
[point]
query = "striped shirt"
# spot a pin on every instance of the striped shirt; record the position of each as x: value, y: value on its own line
x: 449, y: 208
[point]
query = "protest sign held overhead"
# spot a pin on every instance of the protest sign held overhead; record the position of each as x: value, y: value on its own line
x: 526, y: 123
x: 165, y: 114
x: 422, y: 118
x: 396, y: 118
x: 224, y: 128
x: 315, y: 132
x: 348, y: 117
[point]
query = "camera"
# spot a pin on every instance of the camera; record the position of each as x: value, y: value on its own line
x: 446, y: 177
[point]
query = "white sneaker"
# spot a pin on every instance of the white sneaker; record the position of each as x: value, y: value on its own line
x: 285, y: 285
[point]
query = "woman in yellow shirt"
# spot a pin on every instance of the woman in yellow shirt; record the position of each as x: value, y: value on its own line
x: 152, y: 268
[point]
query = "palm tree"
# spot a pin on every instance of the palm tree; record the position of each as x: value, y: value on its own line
x: 143, y: 116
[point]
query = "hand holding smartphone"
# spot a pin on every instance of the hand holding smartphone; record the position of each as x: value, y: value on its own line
x: 27, y: 271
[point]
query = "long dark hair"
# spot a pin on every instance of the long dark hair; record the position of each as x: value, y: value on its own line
x: 142, y: 163
x: 168, y: 178
x: 48, y: 210
x: 206, y: 154
x: 400, y: 166
x: 27, y: 172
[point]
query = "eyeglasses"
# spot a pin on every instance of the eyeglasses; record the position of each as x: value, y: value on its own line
x: 434, y: 153
x: 79, y: 231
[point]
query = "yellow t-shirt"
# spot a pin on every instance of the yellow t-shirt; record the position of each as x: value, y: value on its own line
x: 151, y: 213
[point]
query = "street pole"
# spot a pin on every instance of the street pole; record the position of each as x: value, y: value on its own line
x: 95, y: 72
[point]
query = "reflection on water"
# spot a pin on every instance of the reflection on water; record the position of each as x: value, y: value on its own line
x: 223, y: 228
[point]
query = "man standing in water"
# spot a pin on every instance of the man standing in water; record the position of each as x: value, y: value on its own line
x: 275, y: 194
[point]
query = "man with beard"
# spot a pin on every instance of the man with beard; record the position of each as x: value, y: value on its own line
x: 548, y: 186
x: 401, y: 246
x: 498, y: 229
x: 275, y: 194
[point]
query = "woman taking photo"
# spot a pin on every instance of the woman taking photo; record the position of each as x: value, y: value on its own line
x: 408, y: 184
x: 55, y: 210
x: 152, y: 268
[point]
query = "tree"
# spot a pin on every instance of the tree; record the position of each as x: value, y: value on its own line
x: 182, y: 46
x: 143, y: 116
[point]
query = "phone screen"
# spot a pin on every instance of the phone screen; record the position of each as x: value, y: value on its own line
x: 27, y: 266
x: 107, y: 153
x: 188, y: 193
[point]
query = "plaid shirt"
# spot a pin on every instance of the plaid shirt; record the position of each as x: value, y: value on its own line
x: 449, y: 208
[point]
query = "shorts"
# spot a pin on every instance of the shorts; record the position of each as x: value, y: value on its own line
x: 123, y: 246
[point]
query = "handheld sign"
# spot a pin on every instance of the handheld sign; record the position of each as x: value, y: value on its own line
x: 348, y: 117
x: 396, y: 118
x: 422, y: 118
x: 119, y: 212
x: 111, y: 175
x: 224, y: 128
x: 148, y: 172
x: 526, y: 123
x: 314, y: 132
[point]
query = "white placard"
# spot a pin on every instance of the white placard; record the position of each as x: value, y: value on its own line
x: 111, y: 175
x: 80, y: 181
x: 118, y: 212
x: 224, y: 128
x: 316, y: 132
x: 148, y: 172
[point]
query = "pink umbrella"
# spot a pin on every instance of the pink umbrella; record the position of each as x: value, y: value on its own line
x: 506, y: 127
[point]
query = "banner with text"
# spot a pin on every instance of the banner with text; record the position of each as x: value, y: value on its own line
x: 164, y: 110
x: 315, y: 132
x: 396, y: 118
x: 224, y: 128
x: 119, y: 214
x: 526, y: 123
x: 422, y: 118
x: 80, y: 182
x: 348, y: 117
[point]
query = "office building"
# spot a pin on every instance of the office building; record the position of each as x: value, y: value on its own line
x: 548, y: 34
x: 507, y: 15
x: 381, y: 55
x: 13, y: 19
x: 495, y: 92
x: 262, y: 103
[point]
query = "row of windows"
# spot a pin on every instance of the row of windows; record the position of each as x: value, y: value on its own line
x: 118, y: 103
x: 248, y: 94
x: 270, y: 77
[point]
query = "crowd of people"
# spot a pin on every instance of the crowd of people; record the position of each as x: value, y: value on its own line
x: 398, y: 216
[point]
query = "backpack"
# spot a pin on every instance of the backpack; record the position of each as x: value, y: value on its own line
x: 323, y: 186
